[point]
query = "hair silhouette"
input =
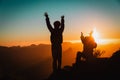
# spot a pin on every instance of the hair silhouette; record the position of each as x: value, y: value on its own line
x: 56, y: 40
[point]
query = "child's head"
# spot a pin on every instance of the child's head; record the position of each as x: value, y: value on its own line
x: 56, y: 24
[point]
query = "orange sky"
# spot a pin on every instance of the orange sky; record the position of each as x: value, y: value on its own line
x: 23, y: 22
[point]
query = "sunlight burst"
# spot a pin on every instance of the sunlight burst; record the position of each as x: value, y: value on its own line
x: 96, y: 35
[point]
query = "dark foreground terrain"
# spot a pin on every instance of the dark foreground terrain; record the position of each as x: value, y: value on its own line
x: 100, y: 69
x: 18, y: 63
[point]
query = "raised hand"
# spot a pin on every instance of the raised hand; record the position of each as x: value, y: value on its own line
x: 81, y: 33
x: 91, y: 33
x: 62, y: 16
x: 46, y: 14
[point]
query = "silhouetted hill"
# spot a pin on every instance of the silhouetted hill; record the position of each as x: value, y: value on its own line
x: 100, y: 69
x: 26, y: 55
x: 115, y: 58
x: 27, y: 62
x: 22, y: 63
x: 34, y: 62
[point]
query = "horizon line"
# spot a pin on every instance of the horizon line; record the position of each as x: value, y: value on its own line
x: 29, y: 43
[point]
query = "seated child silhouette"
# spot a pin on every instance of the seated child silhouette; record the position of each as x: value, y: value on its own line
x: 88, y: 46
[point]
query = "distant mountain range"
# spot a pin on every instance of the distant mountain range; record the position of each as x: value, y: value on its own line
x: 17, y: 59
x: 33, y: 62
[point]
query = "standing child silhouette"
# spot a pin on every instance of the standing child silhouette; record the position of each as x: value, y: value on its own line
x: 56, y: 41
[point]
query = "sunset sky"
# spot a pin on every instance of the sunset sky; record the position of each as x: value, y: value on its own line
x: 23, y: 22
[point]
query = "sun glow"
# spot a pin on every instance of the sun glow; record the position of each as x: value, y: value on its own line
x: 96, y: 35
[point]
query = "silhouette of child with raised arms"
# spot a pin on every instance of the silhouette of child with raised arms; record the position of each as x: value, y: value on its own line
x: 88, y: 45
x: 56, y: 41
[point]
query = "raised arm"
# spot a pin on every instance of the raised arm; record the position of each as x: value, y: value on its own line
x: 91, y: 33
x: 48, y: 22
x: 62, y: 23
x: 82, y: 37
